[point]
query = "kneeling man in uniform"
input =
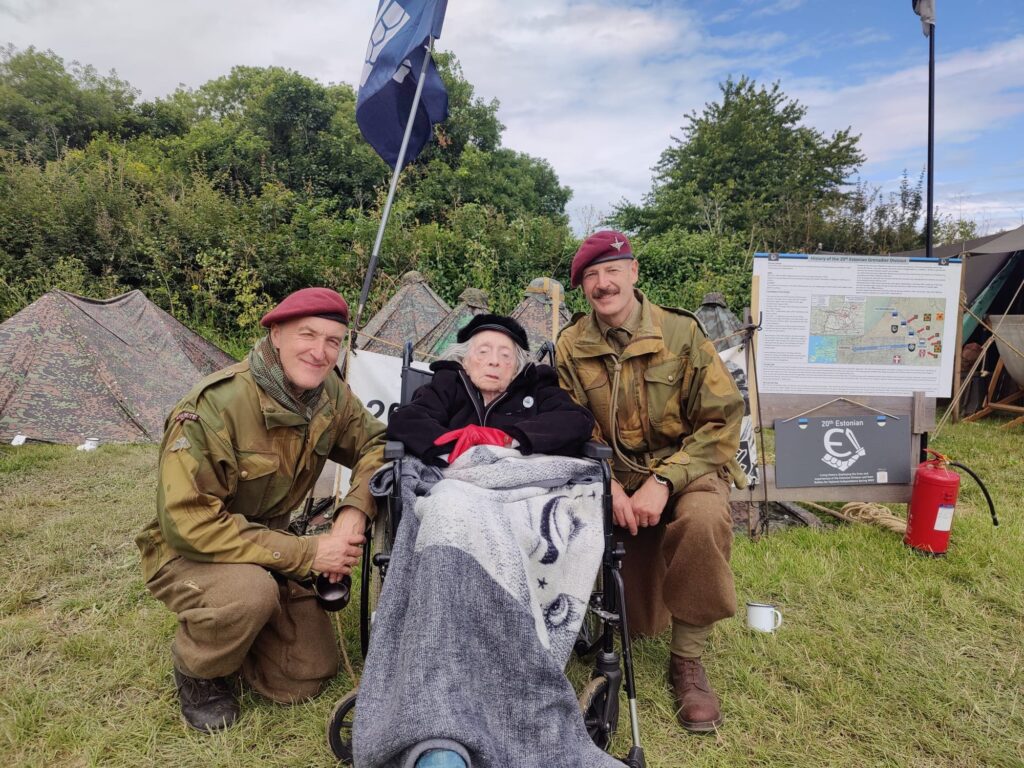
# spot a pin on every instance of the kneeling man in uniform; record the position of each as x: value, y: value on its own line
x: 665, y: 403
x: 240, y: 452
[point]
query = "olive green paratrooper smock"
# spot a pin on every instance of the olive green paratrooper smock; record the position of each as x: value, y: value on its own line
x: 233, y: 465
x: 678, y: 413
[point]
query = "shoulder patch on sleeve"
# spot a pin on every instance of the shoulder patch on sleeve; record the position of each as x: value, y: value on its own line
x: 181, y: 444
x: 186, y: 416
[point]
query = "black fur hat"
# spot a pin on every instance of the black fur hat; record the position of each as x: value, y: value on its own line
x: 499, y: 323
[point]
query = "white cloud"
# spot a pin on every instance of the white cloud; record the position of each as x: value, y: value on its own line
x: 596, y: 87
x: 978, y: 93
x: 157, y: 45
x: 869, y: 36
x: 777, y: 7
x: 975, y: 91
x: 992, y: 211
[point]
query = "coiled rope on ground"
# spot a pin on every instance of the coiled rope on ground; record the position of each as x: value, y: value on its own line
x: 866, y: 512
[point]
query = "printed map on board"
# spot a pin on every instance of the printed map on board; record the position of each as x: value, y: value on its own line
x: 876, y: 330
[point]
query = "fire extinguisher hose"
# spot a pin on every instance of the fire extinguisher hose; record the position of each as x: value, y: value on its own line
x: 984, y: 490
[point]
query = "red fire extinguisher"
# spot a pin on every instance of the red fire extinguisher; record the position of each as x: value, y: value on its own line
x: 930, y: 512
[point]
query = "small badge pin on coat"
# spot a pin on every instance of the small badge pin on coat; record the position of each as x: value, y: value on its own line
x: 527, y: 402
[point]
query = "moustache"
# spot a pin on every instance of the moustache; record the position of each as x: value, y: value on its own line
x: 601, y: 293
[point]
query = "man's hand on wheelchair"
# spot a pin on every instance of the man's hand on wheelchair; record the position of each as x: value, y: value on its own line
x: 467, y: 437
x: 649, y: 502
x: 622, y: 508
x: 338, y: 551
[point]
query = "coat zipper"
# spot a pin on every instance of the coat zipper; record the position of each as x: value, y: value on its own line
x: 475, y: 399
x: 494, y: 402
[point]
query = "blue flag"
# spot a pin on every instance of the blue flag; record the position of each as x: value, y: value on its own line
x: 394, y: 58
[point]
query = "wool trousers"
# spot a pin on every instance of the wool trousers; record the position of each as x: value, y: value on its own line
x: 237, y: 618
x: 680, y: 568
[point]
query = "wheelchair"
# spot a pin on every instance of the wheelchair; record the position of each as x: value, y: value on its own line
x: 606, y: 616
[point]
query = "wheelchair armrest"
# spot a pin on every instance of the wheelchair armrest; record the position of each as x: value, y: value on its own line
x: 595, y: 450
x: 393, y: 449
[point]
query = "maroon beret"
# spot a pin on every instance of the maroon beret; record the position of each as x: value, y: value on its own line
x: 606, y: 245
x: 308, y: 302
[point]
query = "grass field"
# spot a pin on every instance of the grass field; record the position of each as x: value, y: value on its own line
x: 886, y: 658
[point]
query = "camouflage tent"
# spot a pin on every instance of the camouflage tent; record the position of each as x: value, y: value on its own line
x: 719, y: 322
x: 542, y: 312
x: 472, y: 301
x: 413, y: 312
x: 72, y: 367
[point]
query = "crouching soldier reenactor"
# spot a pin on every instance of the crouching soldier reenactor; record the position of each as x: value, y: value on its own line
x: 670, y: 410
x: 240, y: 452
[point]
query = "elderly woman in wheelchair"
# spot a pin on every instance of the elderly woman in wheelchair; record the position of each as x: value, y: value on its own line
x: 489, y: 392
x: 489, y: 576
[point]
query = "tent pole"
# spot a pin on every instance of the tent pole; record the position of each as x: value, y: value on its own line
x: 374, y: 256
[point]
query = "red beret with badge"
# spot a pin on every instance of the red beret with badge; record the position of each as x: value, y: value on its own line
x: 606, y: 245
x: 309, y: 302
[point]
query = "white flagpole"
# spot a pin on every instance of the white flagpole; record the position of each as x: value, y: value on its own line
x: 368, y: 280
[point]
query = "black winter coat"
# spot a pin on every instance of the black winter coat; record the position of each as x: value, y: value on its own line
x: 533, y: 410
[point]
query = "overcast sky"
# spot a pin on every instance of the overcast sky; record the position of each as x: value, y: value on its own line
x: 598, y: 88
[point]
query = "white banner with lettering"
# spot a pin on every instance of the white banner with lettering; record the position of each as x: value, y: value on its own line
x: 377, y: 381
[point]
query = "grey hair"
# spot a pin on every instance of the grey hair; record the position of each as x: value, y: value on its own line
x: 458, y: 352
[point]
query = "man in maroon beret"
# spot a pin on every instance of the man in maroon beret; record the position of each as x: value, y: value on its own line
x: 240, y: 452
x: 665, y: 403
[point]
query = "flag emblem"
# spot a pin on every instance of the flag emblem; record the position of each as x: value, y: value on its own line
x: 391, y: 17
x: 396, y: 55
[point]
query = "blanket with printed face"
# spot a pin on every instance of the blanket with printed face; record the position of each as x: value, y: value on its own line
x: 490, y: 574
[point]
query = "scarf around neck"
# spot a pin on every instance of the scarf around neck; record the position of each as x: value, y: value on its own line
x: 269, y: 375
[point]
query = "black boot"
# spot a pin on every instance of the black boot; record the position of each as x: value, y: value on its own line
x: 206, y: 704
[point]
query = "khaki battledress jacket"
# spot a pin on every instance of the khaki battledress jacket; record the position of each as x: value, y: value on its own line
x: 234, y: 463
x: 678, y: 409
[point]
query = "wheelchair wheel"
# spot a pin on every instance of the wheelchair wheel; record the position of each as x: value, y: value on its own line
x: 600, y: 716
x: 339, y: 728
x: 379, y: 542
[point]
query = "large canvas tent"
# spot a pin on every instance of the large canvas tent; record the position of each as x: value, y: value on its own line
x: 472, y: 301
x: 72, y: 367
x: 542, y: 312
x: 413, y: 312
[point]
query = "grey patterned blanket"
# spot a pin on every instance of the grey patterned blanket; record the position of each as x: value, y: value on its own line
x: 489, y: 579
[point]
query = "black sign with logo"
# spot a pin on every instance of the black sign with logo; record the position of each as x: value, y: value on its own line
x: 842, y: 450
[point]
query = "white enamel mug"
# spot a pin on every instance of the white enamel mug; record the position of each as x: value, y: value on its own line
x: 763, y: 617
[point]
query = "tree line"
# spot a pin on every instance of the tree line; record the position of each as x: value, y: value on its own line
x: 219, y: 200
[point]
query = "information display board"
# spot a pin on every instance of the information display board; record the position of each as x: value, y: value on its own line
x: 856, y: 325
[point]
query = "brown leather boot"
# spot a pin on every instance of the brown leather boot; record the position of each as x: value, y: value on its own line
x: 698, y: 709
x: 206, y: 705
